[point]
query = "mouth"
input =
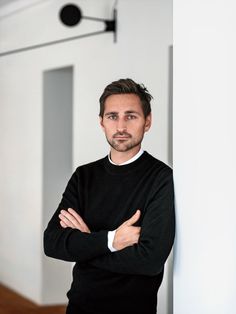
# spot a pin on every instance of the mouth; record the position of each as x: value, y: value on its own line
x: 121, y: 138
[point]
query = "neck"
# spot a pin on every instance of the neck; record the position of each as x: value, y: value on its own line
x: 121, y: 157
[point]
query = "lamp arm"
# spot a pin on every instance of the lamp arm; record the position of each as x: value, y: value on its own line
x: 110, y: 25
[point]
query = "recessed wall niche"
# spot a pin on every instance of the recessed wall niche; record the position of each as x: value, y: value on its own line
x: 57, y: 169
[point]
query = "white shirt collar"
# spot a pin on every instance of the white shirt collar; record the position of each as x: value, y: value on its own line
x: 128, y: 161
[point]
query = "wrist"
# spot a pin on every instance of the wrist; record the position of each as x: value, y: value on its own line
x: 110, y: 239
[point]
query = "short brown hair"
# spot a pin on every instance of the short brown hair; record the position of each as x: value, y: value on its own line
x: 127, y: 86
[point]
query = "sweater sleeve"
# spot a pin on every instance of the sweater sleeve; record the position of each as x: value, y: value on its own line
x: 71, y: 244
x: 156, y: 240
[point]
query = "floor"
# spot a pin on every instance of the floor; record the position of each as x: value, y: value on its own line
x: 12, y: 303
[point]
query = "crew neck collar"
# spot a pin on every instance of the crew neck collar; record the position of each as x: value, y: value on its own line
x: 127, y: 168
x: 135, y: 157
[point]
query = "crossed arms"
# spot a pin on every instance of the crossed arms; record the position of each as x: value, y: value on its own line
x: 125, y: 235
x: 140, y: 250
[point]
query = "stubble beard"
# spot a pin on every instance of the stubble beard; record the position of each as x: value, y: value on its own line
x: 124, y: 146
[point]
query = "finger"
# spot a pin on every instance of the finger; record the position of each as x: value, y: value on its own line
x: 63, y: 224
x: 137, y: 230
x: 68, y: 220
x: 75, y: 215
x: 81, y: 222
x: 71, y: 218
x: 134, y: 218
x: 65, y: 221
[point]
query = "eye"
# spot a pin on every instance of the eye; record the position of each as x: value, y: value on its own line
x: 112, y: 117
x: 131, y: 117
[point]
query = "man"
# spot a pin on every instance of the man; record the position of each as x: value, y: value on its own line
x: 116, y: 217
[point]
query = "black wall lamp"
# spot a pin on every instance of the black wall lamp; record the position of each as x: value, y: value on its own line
x: 71, y: 15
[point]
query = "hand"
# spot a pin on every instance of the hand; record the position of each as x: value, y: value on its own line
x: 127, y: 234
x: 72, y: 220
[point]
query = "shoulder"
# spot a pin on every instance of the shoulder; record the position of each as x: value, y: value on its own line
x: 158, y: 164
x: 91, y: 166
x: 160, y: 177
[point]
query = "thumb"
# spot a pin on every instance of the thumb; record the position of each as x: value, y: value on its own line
x: 134, y: 218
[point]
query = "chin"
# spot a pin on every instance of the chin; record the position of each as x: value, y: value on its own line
x: 123, y: 149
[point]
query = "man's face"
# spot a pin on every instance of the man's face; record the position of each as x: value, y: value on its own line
x: 123, y: 122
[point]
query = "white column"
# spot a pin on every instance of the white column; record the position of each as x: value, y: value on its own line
x: 205, y: 156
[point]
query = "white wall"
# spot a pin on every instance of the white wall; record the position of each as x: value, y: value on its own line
x: 204, y: 156
x: 141, y: 52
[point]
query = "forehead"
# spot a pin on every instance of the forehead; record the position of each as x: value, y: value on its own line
x: 123, y: 102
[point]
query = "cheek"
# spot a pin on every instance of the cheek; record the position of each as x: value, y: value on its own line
x: 108, y: 131
x: 141, y: 128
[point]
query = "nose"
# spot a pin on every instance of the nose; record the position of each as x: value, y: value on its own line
x: 121, y: 125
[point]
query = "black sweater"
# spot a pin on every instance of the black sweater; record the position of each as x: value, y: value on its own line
x: 105, y: 196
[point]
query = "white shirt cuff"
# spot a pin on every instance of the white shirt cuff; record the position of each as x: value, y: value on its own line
x: 110, y: 238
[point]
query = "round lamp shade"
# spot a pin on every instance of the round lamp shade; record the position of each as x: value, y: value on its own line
x: 70, y: 15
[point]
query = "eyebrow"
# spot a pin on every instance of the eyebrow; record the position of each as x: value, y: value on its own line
x: 132, y: 111
x: 126, y: 112
x: 111, y: 112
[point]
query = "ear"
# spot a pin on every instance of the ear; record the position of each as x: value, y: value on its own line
x: 101, y: 122
x: 148, y: 122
